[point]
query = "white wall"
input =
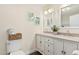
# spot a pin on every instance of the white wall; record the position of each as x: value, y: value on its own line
x: 15, y: 16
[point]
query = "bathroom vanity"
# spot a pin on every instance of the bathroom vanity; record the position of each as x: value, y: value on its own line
x: 68, y: 21
x: 51, y: 44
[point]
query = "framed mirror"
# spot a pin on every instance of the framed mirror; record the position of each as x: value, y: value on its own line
x: 70, y: 16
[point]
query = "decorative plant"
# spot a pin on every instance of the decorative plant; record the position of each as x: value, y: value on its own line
x: 54, y: 28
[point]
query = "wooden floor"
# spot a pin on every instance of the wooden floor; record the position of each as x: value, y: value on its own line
x: 36, y: 53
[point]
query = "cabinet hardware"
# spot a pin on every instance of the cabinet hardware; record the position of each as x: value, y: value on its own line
x: 63, y: 52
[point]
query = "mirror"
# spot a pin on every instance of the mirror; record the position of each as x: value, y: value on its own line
x: 70, y: 16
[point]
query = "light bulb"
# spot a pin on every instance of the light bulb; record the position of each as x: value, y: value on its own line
x: 50, y: 10
x: 45, y: 12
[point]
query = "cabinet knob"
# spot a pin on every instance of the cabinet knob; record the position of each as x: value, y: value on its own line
x: 63, y: 52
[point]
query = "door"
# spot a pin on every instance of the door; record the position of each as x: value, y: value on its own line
x: 69, y: 47
x: 58, y: 46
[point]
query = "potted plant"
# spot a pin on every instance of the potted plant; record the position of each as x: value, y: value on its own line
x: 55, y: 29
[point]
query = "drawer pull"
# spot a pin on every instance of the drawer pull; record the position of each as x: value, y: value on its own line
x: 63, y: 52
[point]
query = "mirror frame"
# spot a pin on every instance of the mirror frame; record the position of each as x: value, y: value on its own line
x: 61, y: 17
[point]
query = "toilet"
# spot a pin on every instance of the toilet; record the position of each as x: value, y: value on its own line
x: 13, y: 48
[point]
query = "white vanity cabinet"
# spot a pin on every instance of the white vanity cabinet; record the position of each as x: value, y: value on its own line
x: 55, y: 46
x: 58, y: 46
x: 69, y: 47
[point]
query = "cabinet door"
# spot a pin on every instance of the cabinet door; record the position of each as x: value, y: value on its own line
x: 69, y: 47
x: 40, y: 43
x: 58, y: 46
